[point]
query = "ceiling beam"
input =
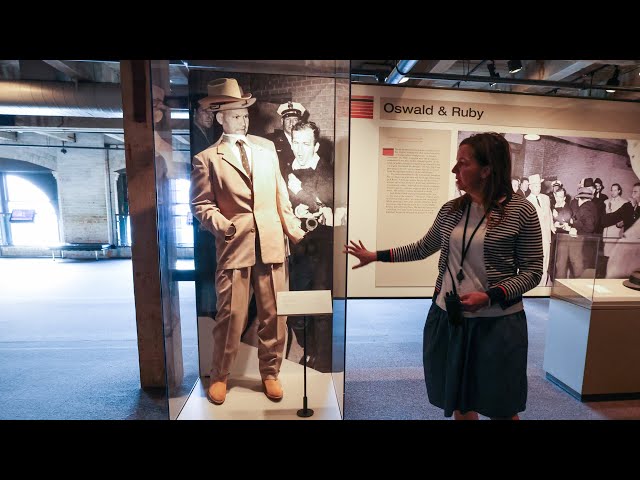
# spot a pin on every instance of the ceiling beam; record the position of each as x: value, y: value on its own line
x: 556, y: 70
x: 440, y: 66
x: 63, y: 137
x: 549, y: 70
x: 115, y: 136
x: 11, y: 136
x: 67, y: 70
x: 620, y: 63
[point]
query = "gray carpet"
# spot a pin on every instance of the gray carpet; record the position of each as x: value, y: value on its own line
x: 385, y: 380
x: 68, y: 351
x: 68, y: 343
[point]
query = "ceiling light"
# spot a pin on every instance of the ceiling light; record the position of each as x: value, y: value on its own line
x: 532, y: 137
x: 514, y: 66
x: 492, y: 71
x: 614, y: 81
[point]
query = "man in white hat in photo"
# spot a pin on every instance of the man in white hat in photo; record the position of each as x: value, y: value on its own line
x: 290, y: 113
x: 543, y: 208
x: 239, y: 195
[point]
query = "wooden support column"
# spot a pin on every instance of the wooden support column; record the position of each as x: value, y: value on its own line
x: 141, y: 178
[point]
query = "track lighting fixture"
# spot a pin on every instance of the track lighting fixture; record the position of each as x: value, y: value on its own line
x: 492, y: 71
x: 614, y: 81
x: 514, y: 66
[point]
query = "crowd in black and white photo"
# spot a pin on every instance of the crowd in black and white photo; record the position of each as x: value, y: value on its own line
x: 602, y: 227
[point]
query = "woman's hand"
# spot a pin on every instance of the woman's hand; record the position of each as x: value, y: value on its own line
x: 361, y: 253
x: 474, y: 301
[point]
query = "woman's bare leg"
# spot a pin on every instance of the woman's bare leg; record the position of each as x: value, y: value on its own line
x: 464, y: 416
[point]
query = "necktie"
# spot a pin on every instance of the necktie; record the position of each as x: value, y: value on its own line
x: 243, y: 157
x: 537, y: 200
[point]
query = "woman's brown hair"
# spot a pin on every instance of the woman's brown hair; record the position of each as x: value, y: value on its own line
x: 490, y: 149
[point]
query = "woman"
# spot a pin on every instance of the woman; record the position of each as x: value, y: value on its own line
x: 490, y: 241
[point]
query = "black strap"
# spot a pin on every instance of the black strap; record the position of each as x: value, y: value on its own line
x: 453, y: 282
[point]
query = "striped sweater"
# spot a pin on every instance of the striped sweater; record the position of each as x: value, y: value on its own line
x: 512, y: 249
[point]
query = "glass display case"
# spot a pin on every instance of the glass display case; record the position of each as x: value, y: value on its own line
x: 591, y: 269
x: 593, y: 330
x: 291, y: 120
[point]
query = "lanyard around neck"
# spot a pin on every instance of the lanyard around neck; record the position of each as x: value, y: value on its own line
x: 460, y: 275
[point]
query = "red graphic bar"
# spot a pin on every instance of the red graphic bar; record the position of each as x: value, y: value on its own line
x: 362, y: 106
x: 388, y: 152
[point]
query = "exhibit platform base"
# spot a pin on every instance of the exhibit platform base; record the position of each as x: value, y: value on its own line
x: 593, y: 333
x: 602, y: 397
x: 246, y: 400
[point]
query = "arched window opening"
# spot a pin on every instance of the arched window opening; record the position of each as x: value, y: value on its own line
x: 24, y: 195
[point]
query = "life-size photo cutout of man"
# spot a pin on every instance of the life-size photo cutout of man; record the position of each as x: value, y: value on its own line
x: 310, y: 186
x: 239, y: 195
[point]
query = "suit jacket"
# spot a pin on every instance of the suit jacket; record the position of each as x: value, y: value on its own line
x: 222, y: 194
x: 544, y: 215
x: 285, y: 153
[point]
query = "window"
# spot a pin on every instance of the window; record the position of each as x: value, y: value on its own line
x: 182, y: 217
x: 24, y: 195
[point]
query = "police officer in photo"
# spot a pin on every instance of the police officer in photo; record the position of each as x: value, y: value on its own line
x: 291, y: 113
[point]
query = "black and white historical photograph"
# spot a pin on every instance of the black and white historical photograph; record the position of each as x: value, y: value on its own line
x: 292, y: 116
x: 586, y: 188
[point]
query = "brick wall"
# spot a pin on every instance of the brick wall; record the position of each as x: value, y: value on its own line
x: 316, y: 94
x: 570, y: 163
x: 36, y: 155
x: 82, y: 191
x: 535, y: 161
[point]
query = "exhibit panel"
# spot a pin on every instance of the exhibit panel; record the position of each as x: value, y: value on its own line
x: 593, y: 332
x: 266, y: 186
x: 404, y: 143
x: 175, y: 243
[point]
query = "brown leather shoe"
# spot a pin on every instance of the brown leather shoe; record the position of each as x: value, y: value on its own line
x: 273, y: 389
x: 217, y: 392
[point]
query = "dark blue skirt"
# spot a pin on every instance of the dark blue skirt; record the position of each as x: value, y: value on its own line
x: 479, y: 366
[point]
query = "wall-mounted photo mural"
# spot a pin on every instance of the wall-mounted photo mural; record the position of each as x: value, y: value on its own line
x: 287, y: 120
x: 574, y: 183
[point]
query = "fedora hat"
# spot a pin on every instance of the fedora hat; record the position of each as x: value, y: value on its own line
x: 586, y: 182
x: 225, y: 91
x: 219, y: 107
x: 634, y: 280
x: 535, y: 178
x: 585, y: 192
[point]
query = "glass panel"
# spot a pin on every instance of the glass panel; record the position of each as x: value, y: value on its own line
x: 576, y: 267
x: 309, y: 155
x: 341, y: 193
x: 175, y: 238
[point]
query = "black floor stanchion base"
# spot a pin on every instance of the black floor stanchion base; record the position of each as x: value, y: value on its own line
x: 304, y: 411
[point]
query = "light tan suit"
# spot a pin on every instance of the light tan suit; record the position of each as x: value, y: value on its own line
x: 223, y: 194
x: 543, y: 209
